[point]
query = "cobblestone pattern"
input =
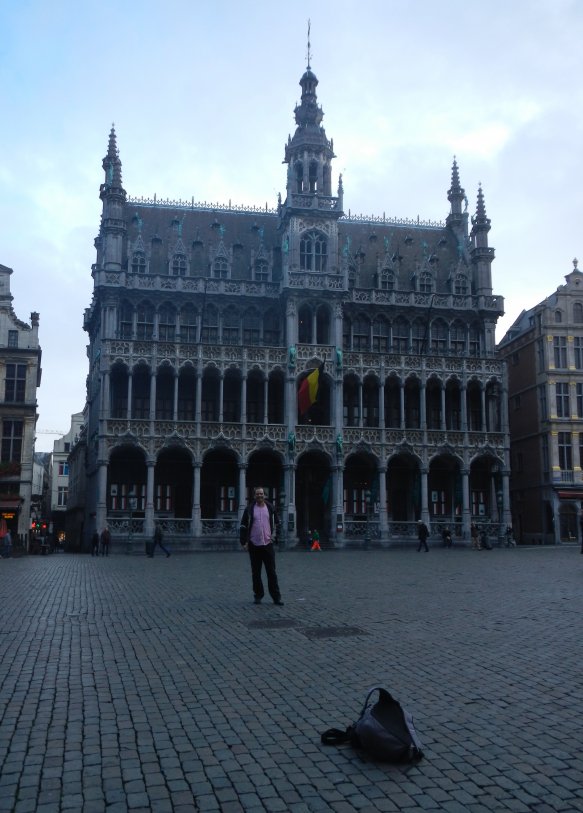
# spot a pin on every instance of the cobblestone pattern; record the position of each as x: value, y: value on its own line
x: 131, y: 684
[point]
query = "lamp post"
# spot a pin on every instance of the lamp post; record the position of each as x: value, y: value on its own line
x: 133, y: 504
x: 283, y: 522
x: 367, y: 496
x: 500, y: 504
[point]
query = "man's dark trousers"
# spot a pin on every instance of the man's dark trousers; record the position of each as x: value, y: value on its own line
x: 264, y: 555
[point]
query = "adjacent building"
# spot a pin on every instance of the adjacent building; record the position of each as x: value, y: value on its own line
x: 544, y: 353
x: 20, y: 376
x: 206, y: 319
x: 60, y: 478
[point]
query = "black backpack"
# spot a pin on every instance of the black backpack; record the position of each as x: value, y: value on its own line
x: 384, y: 730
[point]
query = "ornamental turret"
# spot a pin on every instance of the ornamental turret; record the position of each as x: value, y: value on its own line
x: 109, y: 243
x: 481, y: 254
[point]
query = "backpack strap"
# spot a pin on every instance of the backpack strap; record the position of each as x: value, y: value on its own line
x: 335, y: 736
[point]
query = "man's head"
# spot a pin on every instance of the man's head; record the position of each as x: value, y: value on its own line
x: 259, y: 495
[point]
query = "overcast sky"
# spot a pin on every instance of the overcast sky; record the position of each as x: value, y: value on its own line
x: 202, y: 96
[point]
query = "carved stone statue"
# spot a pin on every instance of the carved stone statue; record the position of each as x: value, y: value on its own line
x: 339, y: 444
x: 291, y: 442
x: 291, y: 359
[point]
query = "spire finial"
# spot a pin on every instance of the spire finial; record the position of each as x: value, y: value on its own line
x: 575, y: 263
x: 309, y: 46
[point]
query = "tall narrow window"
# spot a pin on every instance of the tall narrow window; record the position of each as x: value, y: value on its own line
x: 313, y: 252
x: 542, y: 391
x: 11, y: 441
x: 578, y: 352
x: 562, y: 399
x: 145, y: 322
x: 126, y: 321
x: 167, y: 324
x: 221, y: 268
x: 231, y: 327
x: 188, y: 325
x: 565, y: 451
x: 361, y: 334
x: 12, y: 338
x: 15, y: 383
x: 578, y: 313
x: 560, y: 352
x: 579, y: 397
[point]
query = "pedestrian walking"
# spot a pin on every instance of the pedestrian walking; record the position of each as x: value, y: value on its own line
x: 257, y: 535
x: 316, y: 541
x: 105, y: 540
x: 158, y: 540
x: 446, y: 536
x: 422, y: 534
x: 95, y: 544
x: 475, y: 534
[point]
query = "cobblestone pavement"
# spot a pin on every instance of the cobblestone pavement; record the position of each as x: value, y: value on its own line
x: 128, y: 683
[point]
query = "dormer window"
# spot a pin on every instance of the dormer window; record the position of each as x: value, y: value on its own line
x: 460, y: 285
x: 179, y: 265
x: 388, y: 280
x: 425, y: 283
x: 261, y: 271
x: 220, y: 268
x: 138, y: 263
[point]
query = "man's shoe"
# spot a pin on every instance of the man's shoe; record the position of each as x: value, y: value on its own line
x: 256, y: 600
x: 167, y: 555
x: 279, y: 602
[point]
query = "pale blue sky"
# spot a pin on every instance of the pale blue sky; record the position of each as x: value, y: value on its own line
x: 202, y: 96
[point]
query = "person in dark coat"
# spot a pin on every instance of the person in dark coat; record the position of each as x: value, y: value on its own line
x: 105, y: 540
x: 158, y: 540
x: 446, y: 536
x: 95, y: 544
x: 257, y: 534
x: 422, y: 534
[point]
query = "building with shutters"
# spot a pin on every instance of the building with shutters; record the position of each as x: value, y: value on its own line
x: 206, y: 318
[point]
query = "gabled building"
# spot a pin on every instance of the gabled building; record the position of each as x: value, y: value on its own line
x: 544, y: 353
x: 207, y: 319
x: 20, y: 376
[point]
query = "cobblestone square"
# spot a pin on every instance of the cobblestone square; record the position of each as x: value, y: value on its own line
x: 136, y: 684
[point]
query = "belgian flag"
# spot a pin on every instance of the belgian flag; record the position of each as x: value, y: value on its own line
x: 308, y: 391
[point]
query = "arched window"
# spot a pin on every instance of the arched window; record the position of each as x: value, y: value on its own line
x: 439, y: 333
x: 126, y: 321
x: 380, y: 335
x: 578, y: 313
x: 271, y: 328
x: 558, y: 316
x: 251, y: 327
x: 313, y: 252
x: 179, y: 265
x: 400, y: 335
x: 231, y: 327
x: 221, y: 268
x: 419, y: 336
x: 138, y: 262
x: 167, y: 324
x: 188, y: 325
x: 145, y: 321
x: 305, y: 325
x: 313, y: 178
x: 457, y: 338
x: 210, y: 324
x: 361, y: 333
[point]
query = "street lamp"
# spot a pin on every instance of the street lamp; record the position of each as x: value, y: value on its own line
x: 367, y: 496
x: 500, y: 504
x: 283, y: 523
x: 133, y: 504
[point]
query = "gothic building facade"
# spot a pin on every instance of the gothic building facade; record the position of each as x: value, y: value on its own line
x: 205, y: 320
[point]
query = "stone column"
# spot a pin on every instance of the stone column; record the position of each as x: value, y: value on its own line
x: 383, y: 518
x: 443, y: 424
x: 423, y: 406
x: 360, y: 405
x: 265, y: 400
x: 402, y: 405
x: 466, y: 511
x: 130, y: 386
x: 483, y: 407
x: 152, y: 395
x: 101, y: 503
x: 196, y: 520
x: 106, y: 397
x: 221, y: 392
x: 175, y: 404
x: 424, y: 500
x: 464, y: 407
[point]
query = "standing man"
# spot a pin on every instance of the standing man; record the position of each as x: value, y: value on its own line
x: 257, y: 534
x: 158, y: 540
x: 422, y: 534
